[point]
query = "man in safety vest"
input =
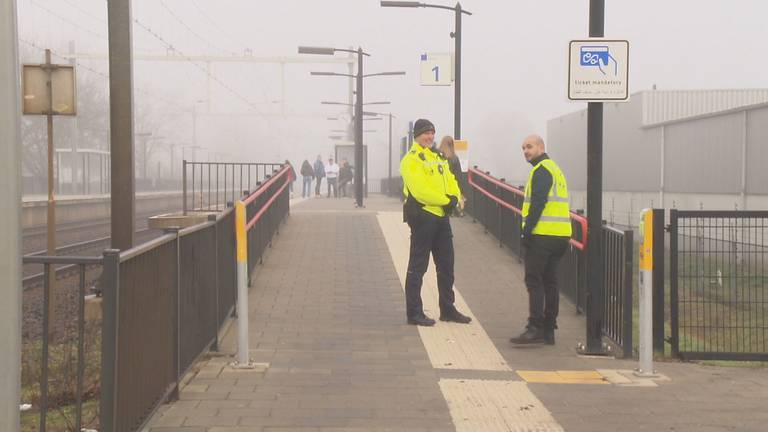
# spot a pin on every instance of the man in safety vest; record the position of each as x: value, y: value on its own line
x: 431, y: 195
x: 546, y: 231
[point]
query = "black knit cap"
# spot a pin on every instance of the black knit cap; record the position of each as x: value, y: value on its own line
x: 421, y: 126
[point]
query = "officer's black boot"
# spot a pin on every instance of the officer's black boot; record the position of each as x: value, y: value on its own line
x: 455, y: 316
x: 421, y: 320
x: 534, y: 334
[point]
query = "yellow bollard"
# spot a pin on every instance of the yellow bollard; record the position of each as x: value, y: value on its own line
x: 243, y: 358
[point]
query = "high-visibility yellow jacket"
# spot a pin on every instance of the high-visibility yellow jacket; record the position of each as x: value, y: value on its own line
x: 555, y: 220
x: 428, y: 178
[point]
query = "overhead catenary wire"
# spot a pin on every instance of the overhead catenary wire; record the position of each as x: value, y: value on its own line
x: 191, y: 30
x: 216, y: 79
x: 216, y: 26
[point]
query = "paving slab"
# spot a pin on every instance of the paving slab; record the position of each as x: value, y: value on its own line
x: 328, y: 325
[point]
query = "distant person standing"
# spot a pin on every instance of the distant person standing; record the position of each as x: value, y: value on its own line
x: 319, y: 174
x: 332, y: 171
x: 345, y: 176
x: 307, y: 174
x: 546, y: 231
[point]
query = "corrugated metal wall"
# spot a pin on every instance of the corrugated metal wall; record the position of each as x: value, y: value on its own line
x: 757, y: 151
x: 631, y: 155
x: 704, y: 155
x: 660, y: 106
x: 567, y: 145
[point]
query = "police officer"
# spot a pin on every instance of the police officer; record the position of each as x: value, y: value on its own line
x: 546, y: 231
x: 431, y: 195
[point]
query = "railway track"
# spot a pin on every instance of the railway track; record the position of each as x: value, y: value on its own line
x: 93, y: 247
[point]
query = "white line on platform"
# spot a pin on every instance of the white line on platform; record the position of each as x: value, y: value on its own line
x: 449, y: 345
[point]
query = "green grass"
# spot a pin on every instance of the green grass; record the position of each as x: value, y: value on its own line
x: 62, y: 419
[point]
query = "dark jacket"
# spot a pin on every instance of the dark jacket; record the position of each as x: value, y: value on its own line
x: 345, y: 174
x: 306, y: 169
x: 319, y: 169
x: 541, y: 182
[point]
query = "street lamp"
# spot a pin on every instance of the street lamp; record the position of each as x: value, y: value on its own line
x: 358, y: 105
x: 456, y: 35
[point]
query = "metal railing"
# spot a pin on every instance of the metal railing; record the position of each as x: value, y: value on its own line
x: 209, y: 186
x: 719, y: 284
x: 163, y: 305
x: 497, y: 206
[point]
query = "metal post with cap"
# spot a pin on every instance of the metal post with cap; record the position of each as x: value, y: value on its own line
x: 10, y: 220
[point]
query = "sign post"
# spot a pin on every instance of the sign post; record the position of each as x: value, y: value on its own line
x: 49, y: 90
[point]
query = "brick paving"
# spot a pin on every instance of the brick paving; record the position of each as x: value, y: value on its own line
x: 333, y: 351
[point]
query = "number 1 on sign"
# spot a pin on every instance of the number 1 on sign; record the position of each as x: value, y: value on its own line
x: 436, y: 70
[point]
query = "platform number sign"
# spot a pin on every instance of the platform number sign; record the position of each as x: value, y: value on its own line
x: 436, y: 69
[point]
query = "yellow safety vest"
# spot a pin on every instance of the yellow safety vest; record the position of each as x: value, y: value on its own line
x: 555, y: 219
x: 427, y: 176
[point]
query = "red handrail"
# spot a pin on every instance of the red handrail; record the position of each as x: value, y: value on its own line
x: 286, y: 171
x: 581, y: 220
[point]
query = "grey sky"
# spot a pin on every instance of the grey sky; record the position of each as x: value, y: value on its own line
x: 514, y: 65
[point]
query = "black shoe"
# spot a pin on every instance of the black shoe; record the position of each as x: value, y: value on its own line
x: 455, y: 316
x: 422, y: 320
x: 531, y: 335
x: 549, y: 336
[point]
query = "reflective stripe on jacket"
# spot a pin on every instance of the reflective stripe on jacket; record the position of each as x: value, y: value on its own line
x: 427, y: 176
x: 555, y: 219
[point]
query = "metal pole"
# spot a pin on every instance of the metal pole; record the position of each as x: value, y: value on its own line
x: 243, y: 357
x: 10, y: 220
x: 595, y: 288
x: 51, y: 217
x: 457, y: 83
x: 359, y: 131
x: 121, y: 120
x: 350, y: 98
x: 109, y: 343
x: 389, y: 164
x: 658, y: 281
x: 645, y: 301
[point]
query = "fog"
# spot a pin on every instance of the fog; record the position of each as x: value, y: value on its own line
x: 514, y: 69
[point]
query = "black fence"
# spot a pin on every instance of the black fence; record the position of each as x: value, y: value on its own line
x: 47, y: 334
x: 719, y: 284
x: 497, y: 206
x: 209, y: 186
x: 164, y: 303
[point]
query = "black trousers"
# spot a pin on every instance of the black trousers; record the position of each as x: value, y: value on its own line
x: 541, y: 259
x: 317, y: 185
x: 429, y: 234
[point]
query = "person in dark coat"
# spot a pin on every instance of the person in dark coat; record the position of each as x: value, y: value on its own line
x: 307, y: 174
x: 345, y: 176
x: 319, y: 174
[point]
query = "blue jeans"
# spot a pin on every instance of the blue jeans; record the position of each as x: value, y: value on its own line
x: 307, y: 188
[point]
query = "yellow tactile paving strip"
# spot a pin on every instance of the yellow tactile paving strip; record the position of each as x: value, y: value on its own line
x: 449, y: 345
x: 563, y: 377
x: 481, y: 405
